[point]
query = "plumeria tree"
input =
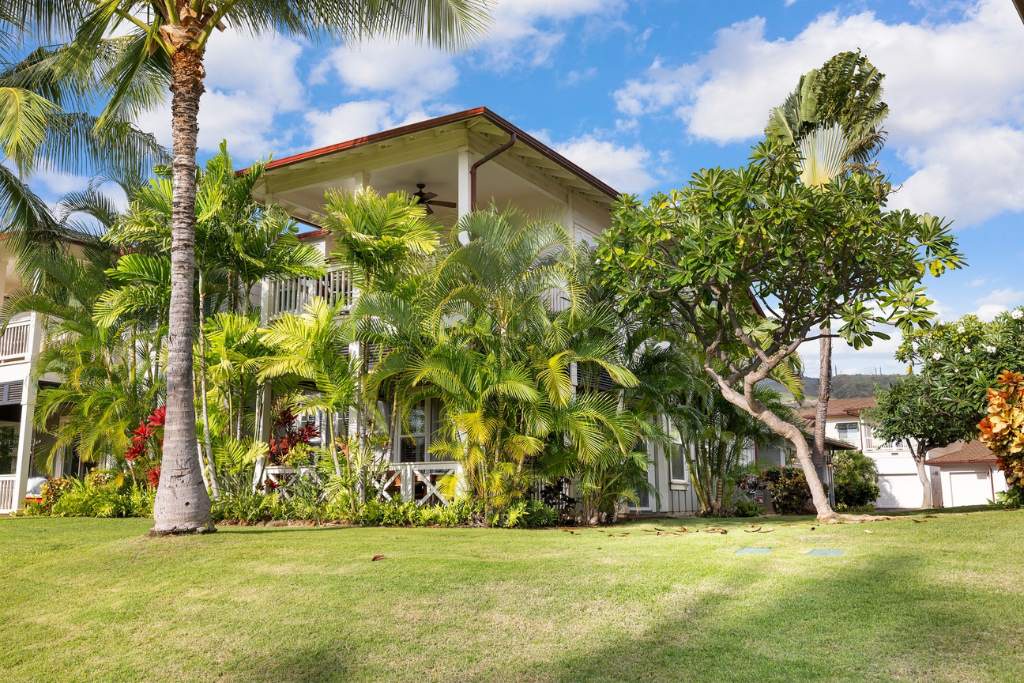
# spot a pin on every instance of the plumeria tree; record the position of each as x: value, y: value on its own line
x: 958, y: 362
x: 834, y: 117
x: 752, y: 261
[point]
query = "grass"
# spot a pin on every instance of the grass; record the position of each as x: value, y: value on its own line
x: 935, y: 598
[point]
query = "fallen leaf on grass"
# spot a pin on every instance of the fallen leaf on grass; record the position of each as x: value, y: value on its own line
x: 375, y: 558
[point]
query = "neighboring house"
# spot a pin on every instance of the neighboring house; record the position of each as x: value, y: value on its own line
x: 967, y: 474
x: 20, y: 344
x: 897, y: 473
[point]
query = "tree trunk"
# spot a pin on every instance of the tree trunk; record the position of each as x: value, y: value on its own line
x: 926, y: 484
x: 182, y: 504
x: 824, y: 392
x: 791, y: 433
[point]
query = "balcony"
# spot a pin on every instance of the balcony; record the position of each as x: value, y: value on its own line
x: 291, y: 296
x: 14, y: 341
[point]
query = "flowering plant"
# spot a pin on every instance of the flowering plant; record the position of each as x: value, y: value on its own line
x: 290, y: 438
x: 147, y: 439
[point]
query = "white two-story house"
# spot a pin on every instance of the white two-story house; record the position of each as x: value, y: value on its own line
x: 897, y: 473
x: 458, y: 162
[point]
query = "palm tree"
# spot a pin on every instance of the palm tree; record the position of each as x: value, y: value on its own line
x: 238, y: 243
x: 44, y: 122
x: 170, y: 37
x: 834, y: 117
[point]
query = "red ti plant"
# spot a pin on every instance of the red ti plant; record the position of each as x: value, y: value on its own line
x: 147, y: 445
x: 286, y: 436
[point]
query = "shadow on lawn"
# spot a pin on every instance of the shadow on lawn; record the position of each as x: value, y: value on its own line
x: 305, y: 663
x: 884, y: 620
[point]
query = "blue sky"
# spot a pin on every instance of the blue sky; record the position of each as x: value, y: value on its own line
x: 643, y: 93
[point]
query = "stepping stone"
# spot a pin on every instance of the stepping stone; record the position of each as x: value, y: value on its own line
x: 825, y: 552
x: 753, y: 551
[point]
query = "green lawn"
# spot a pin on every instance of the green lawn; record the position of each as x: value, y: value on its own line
x: 939, y: 599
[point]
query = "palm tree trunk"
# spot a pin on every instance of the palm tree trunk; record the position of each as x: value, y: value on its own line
x: 824, y: 392
x: 182, y: 504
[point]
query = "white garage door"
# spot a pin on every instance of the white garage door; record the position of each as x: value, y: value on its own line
x: 899, y: 491
x: 970, y: 488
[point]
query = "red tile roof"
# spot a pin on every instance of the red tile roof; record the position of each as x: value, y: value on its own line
x: 961, y: 453
x: 842, y: 407
x: 482, y: 112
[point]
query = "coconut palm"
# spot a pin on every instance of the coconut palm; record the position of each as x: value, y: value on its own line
x: 44, y: 123
x: 171, y: 37
x: 835, y: 118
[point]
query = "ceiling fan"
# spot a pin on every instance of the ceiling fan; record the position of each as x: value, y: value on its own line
x: 427, y: 198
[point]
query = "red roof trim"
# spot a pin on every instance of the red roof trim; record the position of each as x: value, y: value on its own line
x: 442, y: 121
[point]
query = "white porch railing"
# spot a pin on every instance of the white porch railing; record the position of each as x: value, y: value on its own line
x: 6, y: 492
x: 14, y: 341
x: 291, y: 296
x: 557, y: 300
x: 417, y: 481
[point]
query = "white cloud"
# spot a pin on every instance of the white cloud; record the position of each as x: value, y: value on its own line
x: 998, y: 301
x: 947, y: 84
x: 879, y: 357
x: 528, y: 31
x: 627, y: 169
x: 970, y: 173
x: 349, y: 120
x: 250, y: 79
x: 416, y: 72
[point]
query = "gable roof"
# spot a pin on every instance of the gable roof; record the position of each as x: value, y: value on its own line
x: 962, y: 453
x: 842, y: 407
x: 484, y: 114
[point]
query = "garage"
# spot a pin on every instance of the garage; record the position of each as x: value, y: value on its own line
x: 900, y: 490
x: 968, y: 474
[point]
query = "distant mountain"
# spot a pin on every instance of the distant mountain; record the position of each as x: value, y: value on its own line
x: 843, y: 386
x: 851, y: 386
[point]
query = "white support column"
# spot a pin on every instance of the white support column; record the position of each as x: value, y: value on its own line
x: 3, y: 276
x: 570, y: 219
x: 26, y: 431
x: 464, y: 200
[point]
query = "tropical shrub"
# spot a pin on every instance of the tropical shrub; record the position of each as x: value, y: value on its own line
x: 743, y: 506
x: 104, y: 494
x: 1002, y: 428
x: 248, y: 507
x: 789, y: 491
x: 855, y: 478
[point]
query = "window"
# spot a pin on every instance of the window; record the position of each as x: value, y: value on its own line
x: 677, y: 462
x: 8, y: 449
x: 413, y: 444
x: 849, y: 432
x: 424, y: 423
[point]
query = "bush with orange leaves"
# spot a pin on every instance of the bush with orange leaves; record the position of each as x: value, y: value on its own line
x: 1002, y: 429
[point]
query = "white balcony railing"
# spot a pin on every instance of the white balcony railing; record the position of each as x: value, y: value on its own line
x: 291, y: 296
x: 6, y: 492
x: 14, y: 341
x: 418, y: 481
